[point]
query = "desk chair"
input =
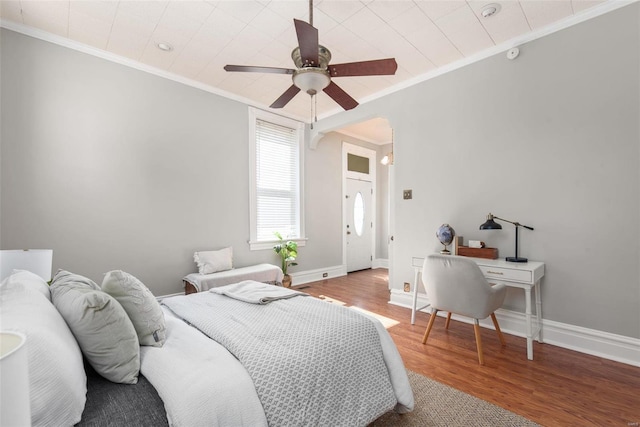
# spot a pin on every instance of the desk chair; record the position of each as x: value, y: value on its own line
x: 455, y: 284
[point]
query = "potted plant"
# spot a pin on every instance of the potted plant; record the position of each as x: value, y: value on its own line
x: 288, y: 252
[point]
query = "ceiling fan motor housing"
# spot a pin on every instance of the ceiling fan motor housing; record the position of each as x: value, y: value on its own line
x: 324, y: 57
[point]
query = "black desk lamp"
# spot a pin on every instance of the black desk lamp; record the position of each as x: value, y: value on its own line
x: 490, y: 224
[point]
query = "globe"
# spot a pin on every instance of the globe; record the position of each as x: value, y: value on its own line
x: 445, y: 235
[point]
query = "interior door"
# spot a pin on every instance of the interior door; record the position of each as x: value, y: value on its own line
x: 359, y: 225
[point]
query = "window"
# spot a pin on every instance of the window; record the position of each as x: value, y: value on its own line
x: 357, y: 163
x: 276, y: 145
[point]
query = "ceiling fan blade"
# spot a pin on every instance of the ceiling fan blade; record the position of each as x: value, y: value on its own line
x: 308, y: 42
x: 340, y: 96
x: 252, y: 69
x: 377, y: 67
x: 286, y: 97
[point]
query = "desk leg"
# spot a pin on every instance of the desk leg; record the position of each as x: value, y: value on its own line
x: 539, y: 311
x: 529, y: 326
x: 415, y: 296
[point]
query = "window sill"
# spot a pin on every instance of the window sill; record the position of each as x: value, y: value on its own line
x: 257, y: 246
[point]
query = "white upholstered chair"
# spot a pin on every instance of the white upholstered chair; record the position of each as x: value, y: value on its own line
x: 455, y: 284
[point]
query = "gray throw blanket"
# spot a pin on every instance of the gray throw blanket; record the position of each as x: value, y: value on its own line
x: 255, y: 292
x: 312, y: 363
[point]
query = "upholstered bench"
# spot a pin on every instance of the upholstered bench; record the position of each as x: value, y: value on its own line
x: 266, y: 273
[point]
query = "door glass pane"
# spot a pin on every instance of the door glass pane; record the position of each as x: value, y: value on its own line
x: 358, y: 213
x: 357, y: 163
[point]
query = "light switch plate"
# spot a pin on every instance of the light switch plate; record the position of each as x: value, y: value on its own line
x: 407, y: 194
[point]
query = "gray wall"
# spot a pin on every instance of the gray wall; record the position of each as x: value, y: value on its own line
x: 551, y: 140
x: 114, y: 168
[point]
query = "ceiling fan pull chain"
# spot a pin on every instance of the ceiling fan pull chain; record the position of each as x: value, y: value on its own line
x: 315, y: 110
x: 311, y: 121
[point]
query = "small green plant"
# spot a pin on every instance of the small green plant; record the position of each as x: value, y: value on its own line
x: 288, y: 251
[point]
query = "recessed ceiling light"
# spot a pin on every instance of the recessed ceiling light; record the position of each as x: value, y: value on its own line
x: 490, y: 10
x: 165, y: 46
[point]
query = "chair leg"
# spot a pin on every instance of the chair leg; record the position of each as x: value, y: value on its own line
x: 446, y: 325
x: 495, y: 323
x: 429, y: 326
x: 476, y: 329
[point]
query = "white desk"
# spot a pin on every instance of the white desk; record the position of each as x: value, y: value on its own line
x: 524, y: 276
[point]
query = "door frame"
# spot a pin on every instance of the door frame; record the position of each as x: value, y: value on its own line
x: 391, y: 206
x: 371, y: 177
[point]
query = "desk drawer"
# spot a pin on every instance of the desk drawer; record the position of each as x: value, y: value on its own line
x: 506, y: 274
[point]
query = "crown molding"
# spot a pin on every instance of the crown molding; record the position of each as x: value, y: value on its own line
x: 127, y: 62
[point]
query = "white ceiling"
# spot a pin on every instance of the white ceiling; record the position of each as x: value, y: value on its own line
x: 376, y: 131
x: 425, y: 37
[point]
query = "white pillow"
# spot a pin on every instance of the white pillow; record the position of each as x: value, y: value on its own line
x: 29, y: 279
x: 101, y: 326
x: 141, y: 306
x: 213, y: 261
x: 57, y: 381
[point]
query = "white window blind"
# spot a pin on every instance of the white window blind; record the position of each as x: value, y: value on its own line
x: 277, y: 181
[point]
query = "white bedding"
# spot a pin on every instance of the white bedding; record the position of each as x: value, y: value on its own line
x: 199, y: 381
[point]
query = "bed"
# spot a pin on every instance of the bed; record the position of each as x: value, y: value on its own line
x: 287, y: 359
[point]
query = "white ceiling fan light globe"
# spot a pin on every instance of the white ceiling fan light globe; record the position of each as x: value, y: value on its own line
x: 311, y: 80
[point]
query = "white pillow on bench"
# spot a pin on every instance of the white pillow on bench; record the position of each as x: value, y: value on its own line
x: 213, y: 261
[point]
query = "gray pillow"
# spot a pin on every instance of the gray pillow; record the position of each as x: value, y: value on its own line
x: 63, y: 277
x: 139, y: 303
x: 101, y: 327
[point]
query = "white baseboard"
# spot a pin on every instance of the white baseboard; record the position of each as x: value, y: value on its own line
x: 302, y: 277
x: 380, y: 263
x: 589, y: 341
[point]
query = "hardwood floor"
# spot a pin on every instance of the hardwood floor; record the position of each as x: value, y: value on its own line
x: 559, y: 388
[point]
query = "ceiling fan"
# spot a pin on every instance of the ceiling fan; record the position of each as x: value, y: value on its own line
x: 313, y: 72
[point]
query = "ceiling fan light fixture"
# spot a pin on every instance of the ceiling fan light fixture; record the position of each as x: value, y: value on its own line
x: 311, y: 80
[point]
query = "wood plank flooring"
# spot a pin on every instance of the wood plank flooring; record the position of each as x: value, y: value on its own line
x: 559, y: 388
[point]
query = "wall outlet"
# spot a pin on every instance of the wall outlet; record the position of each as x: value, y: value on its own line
x: 407, y: 287
x: 407, y: 194
x: 325, y: 274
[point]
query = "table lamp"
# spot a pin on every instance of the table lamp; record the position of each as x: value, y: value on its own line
x: 490, y: 224
x: 37, y: 261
